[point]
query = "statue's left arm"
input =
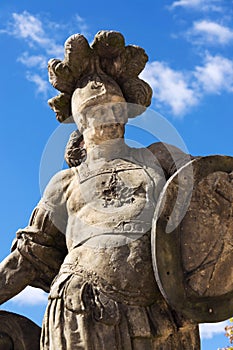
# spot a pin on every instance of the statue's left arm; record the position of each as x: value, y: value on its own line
x: 169, y: 157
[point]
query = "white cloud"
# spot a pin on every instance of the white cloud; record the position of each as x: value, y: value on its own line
x: 170, y: 87
x: 30, y: 28
x: 212, y: 32
x: 180, y: 91
x: 40, y: 36
x: 83, y: 27
x: 33, y: 60
x: 199, y: 5
x: 208, y: 330
x: 31, y: 296
x: 186, y: 3
x: 55, y: 50
x: 42, y: 85
x: 216, y: 75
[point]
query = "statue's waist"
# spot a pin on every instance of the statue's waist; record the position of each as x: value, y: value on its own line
x: 124, y: 271
x: 133, y: 293
x: 106, y: 235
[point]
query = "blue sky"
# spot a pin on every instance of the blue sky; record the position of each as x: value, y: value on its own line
x: 190, y: 68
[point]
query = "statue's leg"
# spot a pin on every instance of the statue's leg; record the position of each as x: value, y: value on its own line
x: 176, y: 341
x: 181, y: 339
x: 157, y: 328
x: 62, y: 329
x: 142, y: 344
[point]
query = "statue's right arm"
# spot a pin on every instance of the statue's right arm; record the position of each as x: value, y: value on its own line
x: 40, y: 248
x: 15, y: 274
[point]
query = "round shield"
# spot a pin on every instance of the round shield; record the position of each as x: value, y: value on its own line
x: 192, y: 240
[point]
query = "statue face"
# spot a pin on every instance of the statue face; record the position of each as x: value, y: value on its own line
x: 104, y: 122
x: 105, y: 117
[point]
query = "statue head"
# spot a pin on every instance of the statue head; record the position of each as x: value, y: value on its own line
x: 105, y: 71
x: 98, y: 102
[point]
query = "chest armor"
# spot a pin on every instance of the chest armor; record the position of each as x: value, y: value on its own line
x: 117, y: 198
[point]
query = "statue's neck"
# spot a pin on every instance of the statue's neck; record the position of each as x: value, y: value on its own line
x: 107, y: 150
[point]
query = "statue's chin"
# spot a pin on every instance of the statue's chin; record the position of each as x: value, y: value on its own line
x: 101, y: 135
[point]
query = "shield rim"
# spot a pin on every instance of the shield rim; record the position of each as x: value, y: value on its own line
x: 196, y: 308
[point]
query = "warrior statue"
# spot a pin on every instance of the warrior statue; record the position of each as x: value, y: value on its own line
x: 97, y: 240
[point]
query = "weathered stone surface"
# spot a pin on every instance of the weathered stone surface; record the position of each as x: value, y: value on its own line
x: 108, y: 56
x: 92, y: 228
x: 18, y: 332
x: 75, y: 152
x: 196, y: 254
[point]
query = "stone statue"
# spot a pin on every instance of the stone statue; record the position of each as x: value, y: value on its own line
x: 88, y: 242
x: 18, y: 332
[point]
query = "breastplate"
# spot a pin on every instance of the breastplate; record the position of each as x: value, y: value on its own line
x: 118, y: 200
